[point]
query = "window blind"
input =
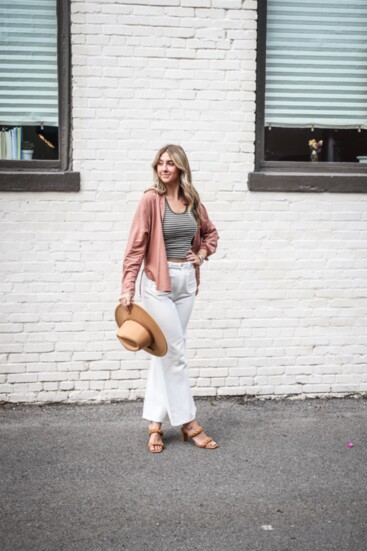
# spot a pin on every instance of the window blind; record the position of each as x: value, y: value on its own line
x: 316, y: 63
x: 28, y: 63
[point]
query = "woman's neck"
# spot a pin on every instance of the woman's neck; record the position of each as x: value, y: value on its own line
x: 173, y: 191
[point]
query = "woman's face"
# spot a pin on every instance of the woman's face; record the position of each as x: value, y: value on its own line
x: 167, y: 170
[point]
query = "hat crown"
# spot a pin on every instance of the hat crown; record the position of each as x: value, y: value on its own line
x: 134, y: 335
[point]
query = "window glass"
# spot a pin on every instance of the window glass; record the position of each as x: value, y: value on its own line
x: 316, y: 81
x: 28, y: 80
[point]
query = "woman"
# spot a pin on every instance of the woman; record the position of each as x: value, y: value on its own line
x: 172, y: 233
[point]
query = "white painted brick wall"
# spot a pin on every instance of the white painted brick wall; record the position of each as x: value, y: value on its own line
x: 282, y: 307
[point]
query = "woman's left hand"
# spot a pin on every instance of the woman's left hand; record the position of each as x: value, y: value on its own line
x: 194, y: 258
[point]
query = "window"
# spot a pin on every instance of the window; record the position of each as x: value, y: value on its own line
x: 311, y: 120
x: 35, y: 97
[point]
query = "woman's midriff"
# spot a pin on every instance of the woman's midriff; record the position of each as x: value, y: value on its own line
x: 177, y: 259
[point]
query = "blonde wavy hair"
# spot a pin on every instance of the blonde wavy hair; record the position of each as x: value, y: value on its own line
x: 187, y: 190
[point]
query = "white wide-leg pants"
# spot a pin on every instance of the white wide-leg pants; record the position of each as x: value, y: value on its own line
x: 168, y: 389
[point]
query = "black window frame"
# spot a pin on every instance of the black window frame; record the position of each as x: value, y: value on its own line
x: 288, y: 175
x: 50, y: 175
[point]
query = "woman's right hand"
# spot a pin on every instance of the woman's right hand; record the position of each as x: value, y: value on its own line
x: 126, y: 300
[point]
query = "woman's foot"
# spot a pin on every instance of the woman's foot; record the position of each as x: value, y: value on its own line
x: 155, y: 440
x: 201, y: 437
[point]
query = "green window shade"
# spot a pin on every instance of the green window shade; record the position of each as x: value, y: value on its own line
x: 28, y: 63
x: 316, y: 64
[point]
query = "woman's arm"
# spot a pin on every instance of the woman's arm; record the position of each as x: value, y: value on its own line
x: 209, y: 235
x: 136, y: 246
x: 208, y: 240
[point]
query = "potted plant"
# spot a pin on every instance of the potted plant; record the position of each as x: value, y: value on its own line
x: 27, y: 150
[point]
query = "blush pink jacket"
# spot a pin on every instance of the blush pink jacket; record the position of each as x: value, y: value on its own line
x: 146, y: 243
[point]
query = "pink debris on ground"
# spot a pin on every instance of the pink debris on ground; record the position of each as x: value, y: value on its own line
x: 349, y: 444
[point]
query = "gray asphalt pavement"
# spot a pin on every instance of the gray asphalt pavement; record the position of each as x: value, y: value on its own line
x: 80, y: 477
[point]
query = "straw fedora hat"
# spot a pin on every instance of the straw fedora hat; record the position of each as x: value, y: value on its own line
x: 138, y: 330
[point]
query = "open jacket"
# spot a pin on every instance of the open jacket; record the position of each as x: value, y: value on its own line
x: 146, y: 243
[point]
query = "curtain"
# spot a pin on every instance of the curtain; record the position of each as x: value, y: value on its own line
x: 28, y: 63
x: 316, y: 64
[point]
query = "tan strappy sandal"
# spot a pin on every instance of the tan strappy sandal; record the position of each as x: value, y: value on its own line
x: 159, y: 431
x: 195, y: 432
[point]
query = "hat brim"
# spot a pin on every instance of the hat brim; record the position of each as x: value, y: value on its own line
x: 159, y: 344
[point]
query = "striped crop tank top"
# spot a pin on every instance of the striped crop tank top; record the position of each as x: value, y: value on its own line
x: 179, y: 230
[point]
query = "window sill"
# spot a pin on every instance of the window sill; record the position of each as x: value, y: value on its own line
x: 341, y: 179
x: 39, y: 181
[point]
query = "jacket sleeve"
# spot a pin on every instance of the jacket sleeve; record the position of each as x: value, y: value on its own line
x: 208, y: 232
x: 136, y: 246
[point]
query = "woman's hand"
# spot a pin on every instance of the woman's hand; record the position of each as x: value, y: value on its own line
x: 196, y: 259
x: 126, y: 299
